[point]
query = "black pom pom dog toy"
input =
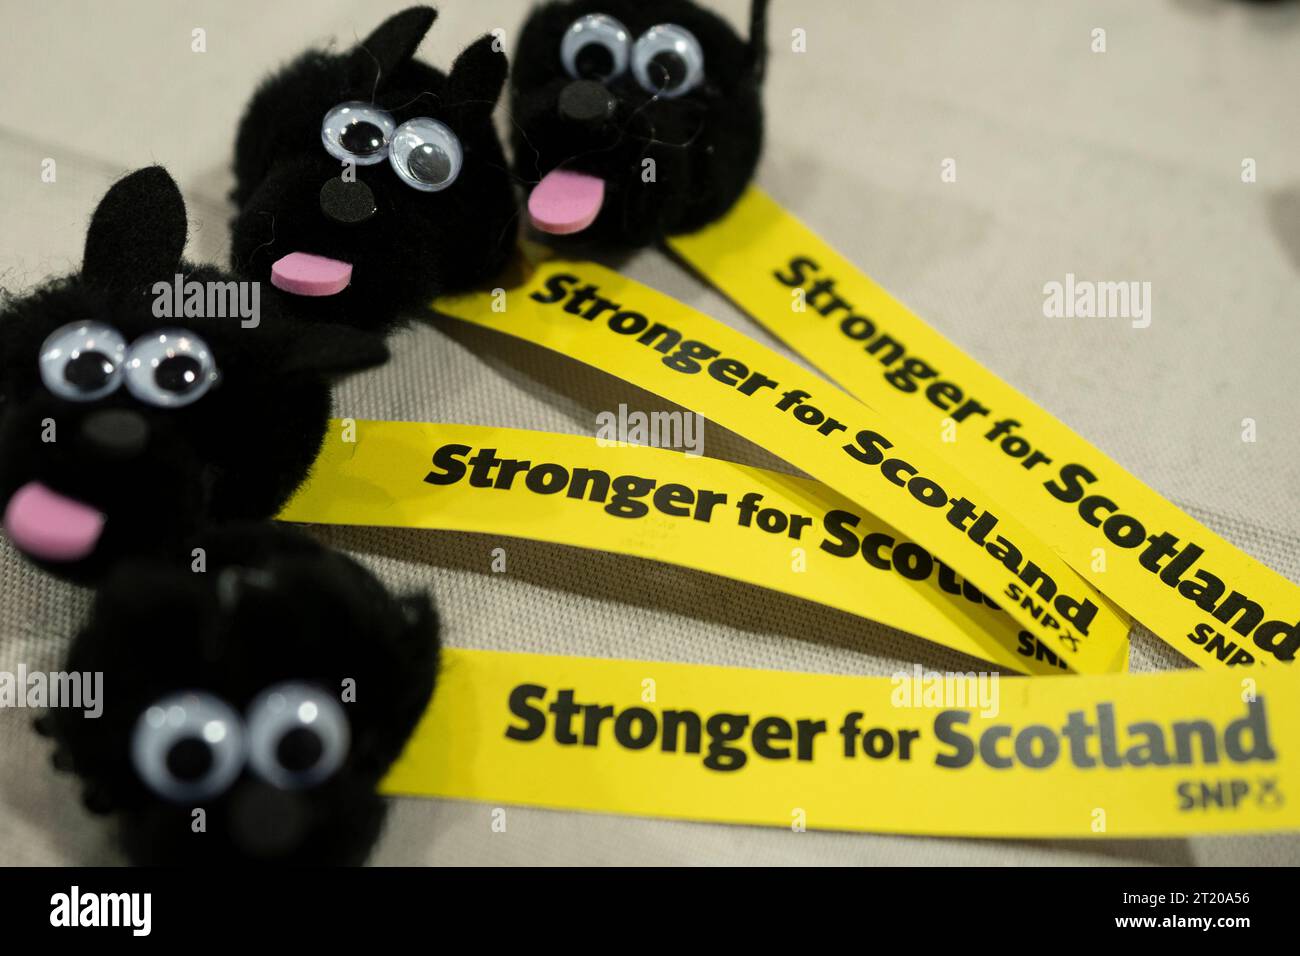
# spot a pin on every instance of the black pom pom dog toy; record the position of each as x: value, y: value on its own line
x: 272, y: 692
x: 367, y: 182
x: 122, y: 432
x: 636, y: 119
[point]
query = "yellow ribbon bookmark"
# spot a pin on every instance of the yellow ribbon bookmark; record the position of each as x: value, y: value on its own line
x: 1214, y: 603
x: 1171, y: 754
x: 598, y: 317
x: 753, y: 525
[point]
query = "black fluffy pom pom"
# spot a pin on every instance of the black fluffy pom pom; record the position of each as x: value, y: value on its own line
x: 129, y: 419
x: 367, y: 182
x: 634, y: 120
x: 249, y: 710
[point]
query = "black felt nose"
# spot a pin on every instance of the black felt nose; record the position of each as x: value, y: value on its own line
x: 115, y: 433
x: 347, y: 202
x: 265, y: 822
x: 586, y: 102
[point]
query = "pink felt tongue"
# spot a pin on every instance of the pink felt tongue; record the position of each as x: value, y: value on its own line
x: 49, y: 526
x: 301, y: 273
x: 565, y: 202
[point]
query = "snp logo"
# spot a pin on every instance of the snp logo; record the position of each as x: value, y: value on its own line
x: 102, y: 909
x: 1229, y: 794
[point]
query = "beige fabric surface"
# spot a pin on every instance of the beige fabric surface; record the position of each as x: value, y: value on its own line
x: 1115, y: 166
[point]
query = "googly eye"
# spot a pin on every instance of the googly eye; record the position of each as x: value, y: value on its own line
x: 426, y: 154
x: 188, y: 746
x: 357, y: 132
x: 170, y: 368
x: 83, y: 361
x: 595, y: 47
x: 668, y: 60
x: 298, y: 736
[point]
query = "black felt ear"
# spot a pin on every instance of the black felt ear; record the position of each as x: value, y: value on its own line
x: 330, y: 350
x: 758, y: 37
x: 391, y: 44
x: 137, y: 234
x: 476, y: 78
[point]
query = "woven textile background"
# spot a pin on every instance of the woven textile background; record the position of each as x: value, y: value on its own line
x: 1124, y: 165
